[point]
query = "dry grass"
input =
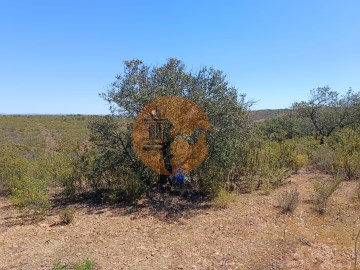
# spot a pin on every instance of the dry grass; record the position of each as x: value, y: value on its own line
x: 323, y: 191
x: 224, y: 199
x: 248, y: 234
x: 67, y: 215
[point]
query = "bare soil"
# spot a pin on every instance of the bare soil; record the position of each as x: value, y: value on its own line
x: 172, y: 234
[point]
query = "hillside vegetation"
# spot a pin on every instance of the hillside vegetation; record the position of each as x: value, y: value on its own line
x: 34, y: 135
x: 245, y: 232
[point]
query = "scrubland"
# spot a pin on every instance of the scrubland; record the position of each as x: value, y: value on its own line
x: 293, y: 204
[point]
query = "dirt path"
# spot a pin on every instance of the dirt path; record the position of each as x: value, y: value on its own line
x: 250, y: 234
x: 49, y: 138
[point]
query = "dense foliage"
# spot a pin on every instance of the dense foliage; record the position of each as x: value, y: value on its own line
x: 136, y: 87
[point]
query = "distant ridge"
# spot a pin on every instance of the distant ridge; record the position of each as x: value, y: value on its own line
x: 48, y: 114
x: 262, y: 115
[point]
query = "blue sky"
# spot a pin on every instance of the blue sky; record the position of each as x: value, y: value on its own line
x: 56, y: 56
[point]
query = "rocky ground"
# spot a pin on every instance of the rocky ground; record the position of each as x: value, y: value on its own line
x: 250, y: 234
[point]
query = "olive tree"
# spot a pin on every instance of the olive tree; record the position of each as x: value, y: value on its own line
x: 138, y: 85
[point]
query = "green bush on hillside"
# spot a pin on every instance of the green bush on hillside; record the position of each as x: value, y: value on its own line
x: 346, y: 145
x: 31, y: 193
x: 340, y: 154
x: 12, y: 166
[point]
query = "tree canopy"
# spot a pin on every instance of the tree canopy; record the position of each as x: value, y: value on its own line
x: 329, y: 111
x: 139, y: 84
x: 207, y: 87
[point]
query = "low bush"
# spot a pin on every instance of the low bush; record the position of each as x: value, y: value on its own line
x: 300, y: 160
x: 78, y: 171
x: 340, y: 154
x: 275, y: 176
x: 12, y: 167
x: 323, y: 191
x: 264, y: 164
x: 127, y: 188
x: 54, y: 166
x: 289, y: 200
x: 210, y: 179
x: 266, y: 186
x: 346, y: 144
x: 324, y: 159
x: 31, y: 193
x: 86, y: 264
x: 223, y: 199
x: 57, y: 265
x: 67, y: 215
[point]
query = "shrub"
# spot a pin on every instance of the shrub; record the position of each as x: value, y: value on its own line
x: 86, y: 264
x: 277, y: 159
x: 300, y: 160
x: 266, y: 186
x: 223, y: 199
x: 108, y: 165
x: 358, y: 190
x: 265, y: 164
x: 340, y: 154
x: 70, y: 187
x: 128, y: 188
x: 307, y: 145
x: 77, y: 171
x: 324, y: 158
x: 323, y: 191
x: 289, y: 200
x: 347, y: 149
x: 12, y: 167
x: 277, y: 176
x: 31, y: 193
x: 67, y: 215
x: 57, y: 265
x: 209, y: 179
x: 54, y: 167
